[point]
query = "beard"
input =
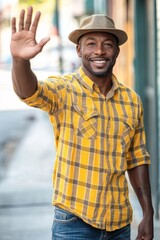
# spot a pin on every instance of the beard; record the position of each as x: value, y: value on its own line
x: 101, y: 73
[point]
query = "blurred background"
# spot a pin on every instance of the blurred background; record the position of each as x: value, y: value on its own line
x: 26, y: 141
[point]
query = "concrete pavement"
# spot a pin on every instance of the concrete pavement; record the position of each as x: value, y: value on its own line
x: 13, y: 127
x: 26, y: 191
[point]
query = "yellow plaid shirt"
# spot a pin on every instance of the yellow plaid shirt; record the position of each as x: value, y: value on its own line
x: 97, y: 139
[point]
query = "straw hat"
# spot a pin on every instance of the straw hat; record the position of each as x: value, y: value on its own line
x: 98, y: 23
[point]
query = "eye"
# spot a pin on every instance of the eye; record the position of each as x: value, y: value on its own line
x: 108, y: 44
x: 91, y: 44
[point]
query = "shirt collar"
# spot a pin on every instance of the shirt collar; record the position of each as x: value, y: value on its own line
x: 86, y: 81
x: 115, y: 86
x: 90, y: 85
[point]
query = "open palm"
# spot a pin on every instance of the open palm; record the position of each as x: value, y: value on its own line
x: 23, y: 42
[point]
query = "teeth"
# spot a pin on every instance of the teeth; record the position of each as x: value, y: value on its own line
x: 99, y: 61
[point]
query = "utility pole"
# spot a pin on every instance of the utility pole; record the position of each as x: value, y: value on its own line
x: 60, y: 47
x: 0, y: 34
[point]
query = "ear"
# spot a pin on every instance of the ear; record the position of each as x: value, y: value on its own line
x: 118, y: 51
x: 78, y: 49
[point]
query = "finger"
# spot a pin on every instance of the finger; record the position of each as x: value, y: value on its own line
x: 43, y: 42
x: 139, y: 237
x: 35, y: 22
x: 28, y: 19
x: 21, y: 20
x: 38, y: 48
x: 13, y: 25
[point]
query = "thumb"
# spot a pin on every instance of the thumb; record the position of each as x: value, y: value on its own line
x: 39, y: 46
x: 43, y: 42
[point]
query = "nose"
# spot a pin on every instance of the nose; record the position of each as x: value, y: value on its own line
x: 99, y: 49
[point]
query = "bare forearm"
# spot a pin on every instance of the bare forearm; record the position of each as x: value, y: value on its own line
x: 139, y: 178
x: 144, y: 197
x: 24, y: 80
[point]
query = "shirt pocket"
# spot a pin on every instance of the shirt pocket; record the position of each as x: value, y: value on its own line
x: 85, y: 121
x: 122, y: 129
x: 129, y: 129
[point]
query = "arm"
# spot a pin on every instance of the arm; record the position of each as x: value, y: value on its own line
x: 139, y: 178
x: 23, y: 48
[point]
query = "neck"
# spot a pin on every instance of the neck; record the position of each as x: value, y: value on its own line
x: 105, y: 87
x: 104, y: 82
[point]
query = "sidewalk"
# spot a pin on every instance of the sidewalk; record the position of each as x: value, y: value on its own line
x: 26, y: 192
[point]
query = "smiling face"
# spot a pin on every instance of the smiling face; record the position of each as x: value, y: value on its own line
x: 98, y: 52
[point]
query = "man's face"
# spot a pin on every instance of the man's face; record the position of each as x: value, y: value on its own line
x: 98, y: 52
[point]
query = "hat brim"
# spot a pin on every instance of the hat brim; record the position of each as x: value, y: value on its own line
x: 120, y: 34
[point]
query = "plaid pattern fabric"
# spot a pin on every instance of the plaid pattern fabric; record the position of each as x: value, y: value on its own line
x: 97, y: 139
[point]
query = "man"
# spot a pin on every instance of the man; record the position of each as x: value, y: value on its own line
x: 98, y: 128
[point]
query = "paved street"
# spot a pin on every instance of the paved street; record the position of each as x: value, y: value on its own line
x: 26, y: 190
x: 13, y: 126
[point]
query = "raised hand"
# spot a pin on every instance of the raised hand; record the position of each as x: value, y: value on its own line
x: 23, y: 42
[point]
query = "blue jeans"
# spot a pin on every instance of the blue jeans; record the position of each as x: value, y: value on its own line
x: 67, y: 226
